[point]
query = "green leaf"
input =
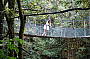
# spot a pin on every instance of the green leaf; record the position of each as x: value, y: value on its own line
x: 11, y: 57
x: 16, y: 39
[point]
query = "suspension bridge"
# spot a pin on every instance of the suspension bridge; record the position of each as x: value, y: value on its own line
x: 36, y: 30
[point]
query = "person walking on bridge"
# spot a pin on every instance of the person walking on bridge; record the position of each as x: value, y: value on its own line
x: 46, y: 27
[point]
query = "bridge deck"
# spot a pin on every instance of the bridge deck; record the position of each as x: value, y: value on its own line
x: 28, y: 35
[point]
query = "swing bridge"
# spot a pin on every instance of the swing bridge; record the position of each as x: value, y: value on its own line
x: 36, y: 30
x: 71, y: 33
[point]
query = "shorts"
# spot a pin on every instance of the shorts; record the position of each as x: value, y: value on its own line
x: 46, y: 27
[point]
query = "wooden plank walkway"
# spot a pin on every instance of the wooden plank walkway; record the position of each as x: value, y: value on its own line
x: 29, y: 35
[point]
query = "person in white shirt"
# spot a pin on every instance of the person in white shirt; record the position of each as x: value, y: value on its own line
x: 46, y: 27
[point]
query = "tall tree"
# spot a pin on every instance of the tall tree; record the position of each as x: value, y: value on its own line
x: 1, y: 19
x: 22, y: 25
x: 10, y: 22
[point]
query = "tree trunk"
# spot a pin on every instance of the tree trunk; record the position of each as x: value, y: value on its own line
x: 9, y: 20
x: 10, y: 23
x: 1, y: 20
x: 22, y: 25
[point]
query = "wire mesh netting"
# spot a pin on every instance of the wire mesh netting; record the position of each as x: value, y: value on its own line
x: 55, y: 31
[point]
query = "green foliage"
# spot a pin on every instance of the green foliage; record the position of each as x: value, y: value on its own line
x: 80, y: 53
x: 19, y: 40
x: 10, y: 12
x: 11, y: 57
x: 10, y: 46
x: 45, y: 46
x: 2, y: 54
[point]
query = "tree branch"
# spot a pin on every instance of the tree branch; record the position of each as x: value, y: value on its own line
x: 59, y: 11
x: 28, y: 9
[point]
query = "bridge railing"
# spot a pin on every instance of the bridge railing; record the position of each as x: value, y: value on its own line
x: 35, y: 29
